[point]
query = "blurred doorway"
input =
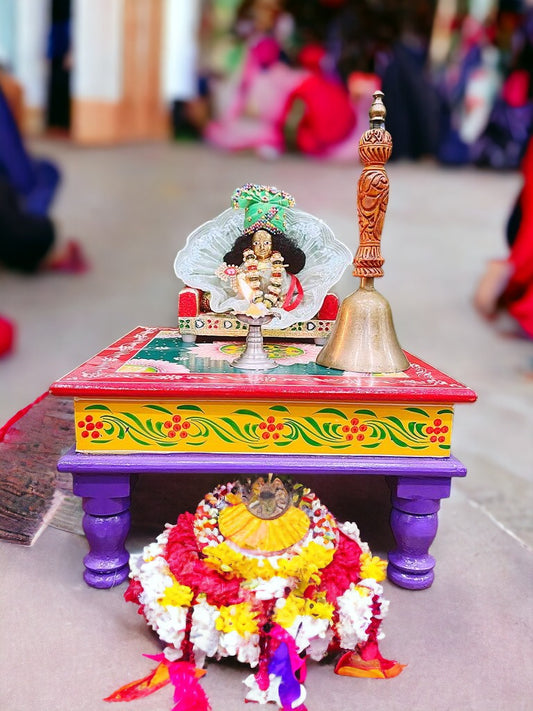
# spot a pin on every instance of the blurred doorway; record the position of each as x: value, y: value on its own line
x: 117, y: 93
x: 141, y: 110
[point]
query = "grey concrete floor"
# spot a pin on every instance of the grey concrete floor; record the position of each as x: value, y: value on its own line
x: 468, y: 640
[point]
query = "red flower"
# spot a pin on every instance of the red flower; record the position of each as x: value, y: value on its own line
x: 270, y: 425
x: 343, y: 569
x: 436, y: 429
x: 89, y: 427
x: 185, y: 561
x: 133, y: 593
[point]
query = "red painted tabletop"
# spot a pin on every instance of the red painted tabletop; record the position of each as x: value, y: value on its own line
x: 151, y: 362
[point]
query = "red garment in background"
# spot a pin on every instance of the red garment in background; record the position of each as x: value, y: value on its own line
x: 328, y: 115
x: 518, y: 296
x: 7, y: 335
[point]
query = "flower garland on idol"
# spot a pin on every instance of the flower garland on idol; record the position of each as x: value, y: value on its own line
x: 272, y: 294
x: 249, y: 271
x: 262, y: 572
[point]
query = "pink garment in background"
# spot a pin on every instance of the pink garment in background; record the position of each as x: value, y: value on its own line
x: 255, y: 117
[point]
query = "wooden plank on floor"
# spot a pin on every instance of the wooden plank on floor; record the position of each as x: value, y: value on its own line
x: 30, y: 446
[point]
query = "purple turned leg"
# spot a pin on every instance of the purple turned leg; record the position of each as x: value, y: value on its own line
x: 106, y: 524
x: 418, y: 485
x: 414, y: 522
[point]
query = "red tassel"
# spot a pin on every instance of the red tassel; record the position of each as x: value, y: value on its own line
x: 188, y: 693
x: 157, y: 678
x: 353, y: 664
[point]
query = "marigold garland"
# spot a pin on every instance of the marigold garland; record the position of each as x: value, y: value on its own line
x: 205, y: 596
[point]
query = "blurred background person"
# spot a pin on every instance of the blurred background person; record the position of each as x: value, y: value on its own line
x: 507, y: 284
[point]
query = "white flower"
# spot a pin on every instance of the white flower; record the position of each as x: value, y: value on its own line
x: 157, y: 547
x: 306, y: 628
x: 351, y: 530
x: 228, y: 643
x: 162, y: 538
x: 318, y: 646
x: 384, y: 608
x: 169, y: 623
x: 377, y: 591
x: 275, y: 587
x: 355, y: 615
x: 136, y: 562
x: 271, y: 694
x: 372, y: 585
x: 154, y: 577
x: 204, y: 634
x: 246, y: 649
x: 172, y: 654
x: 153, y: 550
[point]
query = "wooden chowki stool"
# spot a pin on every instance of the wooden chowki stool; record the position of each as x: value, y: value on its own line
x: 151, y: 403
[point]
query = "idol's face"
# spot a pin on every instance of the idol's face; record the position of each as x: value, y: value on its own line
x: 262, y: 244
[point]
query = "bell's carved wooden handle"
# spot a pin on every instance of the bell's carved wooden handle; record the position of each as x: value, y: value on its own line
x: 375, y: 148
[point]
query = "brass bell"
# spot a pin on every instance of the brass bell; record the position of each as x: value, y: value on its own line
x: 363, y: 338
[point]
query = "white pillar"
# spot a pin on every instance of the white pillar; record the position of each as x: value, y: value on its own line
x: 179, y: 65
x: 32, y: 24
x: 97, y: 43
x: 7, y: 33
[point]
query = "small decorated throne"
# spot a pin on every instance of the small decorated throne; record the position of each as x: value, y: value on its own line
x: 195, y: 318
x: 260, y: 256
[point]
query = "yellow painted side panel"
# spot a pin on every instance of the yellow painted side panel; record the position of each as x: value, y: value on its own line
x: 380, y: 429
